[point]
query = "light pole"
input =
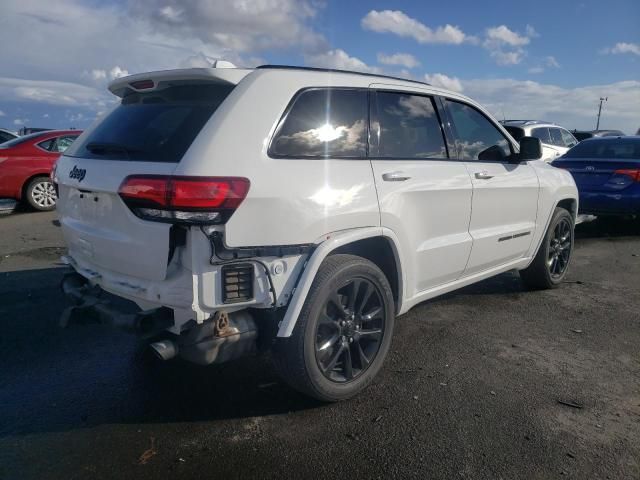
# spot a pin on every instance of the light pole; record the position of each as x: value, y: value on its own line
x: 602, y: 99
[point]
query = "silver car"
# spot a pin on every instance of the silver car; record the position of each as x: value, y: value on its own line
x: 556, y: 140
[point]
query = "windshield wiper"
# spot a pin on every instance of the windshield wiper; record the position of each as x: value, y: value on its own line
x: 101, y: 148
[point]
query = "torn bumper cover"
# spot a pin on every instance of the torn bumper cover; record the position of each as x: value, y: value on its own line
x: 91, y: 305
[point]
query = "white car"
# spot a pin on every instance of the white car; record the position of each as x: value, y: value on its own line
x: 556, y: 141
x: 299, y: 210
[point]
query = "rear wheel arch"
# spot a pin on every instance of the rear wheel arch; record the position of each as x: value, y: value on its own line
x: 380, y: 251
x: 371, y: 243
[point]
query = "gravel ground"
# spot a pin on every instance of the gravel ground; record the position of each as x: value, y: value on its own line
x: 488, y: 382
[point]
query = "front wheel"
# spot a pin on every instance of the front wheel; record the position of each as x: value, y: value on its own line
x: 550, y: 265
x: 343, y: 332
x: 41, y: 194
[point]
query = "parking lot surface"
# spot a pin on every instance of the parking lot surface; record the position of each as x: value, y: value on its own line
x: 488, y: 382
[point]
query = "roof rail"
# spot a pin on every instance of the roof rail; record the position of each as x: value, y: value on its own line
x: 335, y: 70
x: 527, y: 122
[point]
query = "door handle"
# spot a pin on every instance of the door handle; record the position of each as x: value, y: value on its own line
x: 483, y: 175
x: 395, y: 177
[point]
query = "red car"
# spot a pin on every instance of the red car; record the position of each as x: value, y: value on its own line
x: 25, y: 165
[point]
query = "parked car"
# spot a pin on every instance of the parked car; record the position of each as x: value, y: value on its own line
x: 299, y: 210
x: 25, y: 165
x: 584, y: 134
x: 607, y: 173
x: 6, y: 135
x: 555, y: 139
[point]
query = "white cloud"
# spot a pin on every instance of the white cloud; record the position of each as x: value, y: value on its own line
x: 2, y: 114
x: 338, y: 59
x: 503, y: 35
x: 623, y: 47
x: 547, y: 62
x: 403, y: 59
x: 507, y: 58
x: 506, y: 46
x: 571, y: 107
x: 551, y: 62
x: 444, y: 81
x: 149, y: 34
x: 19, y: 121
x: 399, y: 23
x: 241, y: 26
x: 50, y: 92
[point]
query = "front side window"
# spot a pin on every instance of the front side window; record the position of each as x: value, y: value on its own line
x: 322, y: 123
x: 477, y: 137
x: 543, y: 134
x: 409, y: 127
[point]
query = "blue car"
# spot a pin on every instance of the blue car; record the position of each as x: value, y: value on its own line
x: 607, y: 173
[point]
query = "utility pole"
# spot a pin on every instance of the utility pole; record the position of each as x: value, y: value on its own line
x: 602, y: 99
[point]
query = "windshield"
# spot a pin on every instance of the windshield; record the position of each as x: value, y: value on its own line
x: 157, y: 126
x: 606, y: 148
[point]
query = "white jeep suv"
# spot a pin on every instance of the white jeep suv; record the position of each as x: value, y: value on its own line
x: 556, y: 141
x: 298, y: 210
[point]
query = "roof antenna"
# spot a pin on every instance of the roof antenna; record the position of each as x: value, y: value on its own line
x: 222, y: 64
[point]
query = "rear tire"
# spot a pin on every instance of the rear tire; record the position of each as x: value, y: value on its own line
x: 551, y: 263
x: 343, y: 333
x: 41, y: 194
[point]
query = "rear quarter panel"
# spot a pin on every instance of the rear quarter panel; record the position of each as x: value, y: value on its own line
x: 291, y: 201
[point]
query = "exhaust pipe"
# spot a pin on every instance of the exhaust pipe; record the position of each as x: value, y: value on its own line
x: 164, y: 349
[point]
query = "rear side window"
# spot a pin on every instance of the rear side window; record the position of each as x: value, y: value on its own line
x: 556, y: 137
x: 322, y: 123
x: 606, y: 149
x: 569, y: 140
x: 543, y: 134
x: 408, y: 126
x: 157, y: 126
x: 477, y: 137
x: 47, y: 144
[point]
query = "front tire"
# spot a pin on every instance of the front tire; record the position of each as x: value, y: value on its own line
x: 41, y: 194
x: 551, y: 263
x: 343, y: 333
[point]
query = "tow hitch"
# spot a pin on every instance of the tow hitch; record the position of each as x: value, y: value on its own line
x: 90, y: 306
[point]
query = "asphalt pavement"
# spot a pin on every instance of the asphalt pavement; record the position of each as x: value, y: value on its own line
x: 488, y: 382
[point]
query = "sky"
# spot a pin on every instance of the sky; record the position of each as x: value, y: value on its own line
x: 548, y: 60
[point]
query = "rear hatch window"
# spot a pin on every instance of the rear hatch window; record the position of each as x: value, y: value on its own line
x: 156, y: 126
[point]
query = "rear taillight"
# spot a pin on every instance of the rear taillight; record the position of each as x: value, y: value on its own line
x: 194, y: 200
x: 634, y: 173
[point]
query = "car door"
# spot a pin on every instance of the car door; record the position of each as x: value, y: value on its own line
x: 424, y: 195
x: 505, y: 194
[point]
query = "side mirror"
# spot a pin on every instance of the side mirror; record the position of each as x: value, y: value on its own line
x: 530, y: 149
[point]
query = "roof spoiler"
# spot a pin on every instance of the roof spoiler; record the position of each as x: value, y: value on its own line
x: 147, y: 82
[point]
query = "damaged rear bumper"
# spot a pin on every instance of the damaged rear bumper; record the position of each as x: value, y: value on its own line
x: 224, y: 337
x: 91, y: 305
